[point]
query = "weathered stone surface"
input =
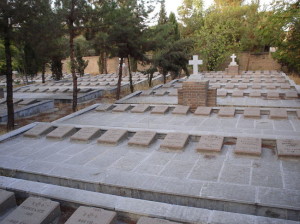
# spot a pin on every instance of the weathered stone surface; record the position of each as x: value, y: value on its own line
x: 27, y: 102
x: 243, y: 86
x: 104, y: 107
x: 285, y: 86
x: 112, y: 136
x: 227, y: 112
x: 278, y: 113
x: 147, y: 220
x: 249, y: 146
x: 288, y: 147
x: 159, y: 109
x: 252, y: 112
x: 271, y: 87
x: 91, y: 215
x: 175, y: 141
x: 142, y: 138
x: 38, y: 131
x: 34, y: 211
x: 61, y: 132
x: 256, y: 86
x: 147, y: 92
x: 222, y: 93
x: 291, y: 95
x: 203, y: 111
x: 210, y: 143
x: 160, y: 92
x: 121, y: 108
x: 238, y: 94
x: 298, y: 113
x: 173, y: 92
x: 273, y: 95
x: 229, y: 86
x: 255, y: 94
x: 7, y: 201
x: 141, y: 108
x: 85, y: 134
x: 181, y: 109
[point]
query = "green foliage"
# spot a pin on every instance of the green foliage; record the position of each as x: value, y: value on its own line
x: 56, y: 68
x: 162, y: 17
x: 80, y: 64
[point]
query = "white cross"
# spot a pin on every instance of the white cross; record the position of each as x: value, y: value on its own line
x: 195, y: 62
x: 233, y: 60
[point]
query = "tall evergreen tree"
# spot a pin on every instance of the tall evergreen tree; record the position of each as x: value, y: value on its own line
x: 162, y: 19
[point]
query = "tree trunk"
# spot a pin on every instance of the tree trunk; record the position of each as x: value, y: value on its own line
x: 105, y: 62
x: 130, y: 75
x: 120, y: 79
x: 43, y: 73
x: 150, y: 79
x: 9, y: 80
x: 165, y: 77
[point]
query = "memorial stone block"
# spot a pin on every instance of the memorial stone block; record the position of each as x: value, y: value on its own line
x: 181, y: 110
x: 141, y: 108
x: 7, y: 201
x: 252, y: 112
x: 112, y: 136
x: 222, y: 93
x: 273, y: 95
x: 159, y: 109
x: 142, y: 138
x: 85, y: 134
x: 291, y: 95
x: 160, y: 92
x: 173, y: 92
x: 38, y: 130
x: 104, y: 107
x: 288, y: 147
x: 61, y: 132
x: 243, y: 86
x: 256, y: 86
x: 229, y: 86
x: 203, y: 111
x: 175, y: 141
x: 121, y: 108
x: 210, y: 143
x: 237, y: 94
x: 227, y: 112
x: 285, y: 86
x: 255, y: 94
x: 27, y: 102
x: 249, y: 146
x: 278, y: 113
x: 147, y: 92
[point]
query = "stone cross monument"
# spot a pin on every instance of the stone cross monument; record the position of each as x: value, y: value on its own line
x: 233, y: 68
x: 195, y: 63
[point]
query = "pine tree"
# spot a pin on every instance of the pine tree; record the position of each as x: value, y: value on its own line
x: 162, y: 19
x: 80, y: 64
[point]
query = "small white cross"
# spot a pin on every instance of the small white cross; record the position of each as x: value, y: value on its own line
x: 195, y: 62
x: 233, y: 60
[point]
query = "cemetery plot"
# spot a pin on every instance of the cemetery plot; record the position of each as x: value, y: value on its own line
x: 210, y: 143
x: 181, y: 110
x: 204, y: 111
x: 160, y: 92
x: 251, y: 112
x: 249, y: 146
x: 61, y: 132
x: 86, y: 134
x: 226, y: 112
x: 38, y: 131
x: 121, y: 108
x: 278, y: 113
x: 141, y: 108
x: 147, y: 220
x: 142, y: 138
x: 175, y: 141
x: 270, y: 87
x: 288, y: 147
x: 113, y: 136
x: 7, y: 200
x: 90, y: 215
x: 104, y: 107
x: 159, y: 109
x: 34, y: 211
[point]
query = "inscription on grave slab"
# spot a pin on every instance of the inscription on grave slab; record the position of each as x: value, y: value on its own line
x: 210, y: 143
x: 142, y: 138
x: 61, y: 132
x: 112, y: 136
x: 90, y: 215
x: 249, y: 146
x: 288, y: 147
x: 39, y: 130
x: 175, y: 141
x: 86, y: 134
x: 34, y: 211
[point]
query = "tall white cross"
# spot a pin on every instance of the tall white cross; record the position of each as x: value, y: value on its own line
x: 195, y: 62
x: 233, y: 60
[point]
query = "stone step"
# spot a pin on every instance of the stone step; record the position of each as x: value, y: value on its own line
x: 136, y: 210
x: 7, y: 201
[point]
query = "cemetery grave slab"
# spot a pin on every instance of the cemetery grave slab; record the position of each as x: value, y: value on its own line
x: 270, y: 87
x: 204, y: 111
x: 251, y: 112
x: 147, y: 92
x: 238, y: 94
x: 91, y: 215
x: 7, y: 200
x: 104, y: 107
x: 249, y: 146
x: 285, y: 86
x: 180, y: 109
x: 243, y: 86
x: 273, y: 95
x: 34, y: 211
x: 113, y: 136
x: 141, y: 108
x: 173, y: 92
x: 256, y: 86
x: 255, y: 94
x: 222, y: 93
x: 160, y: 92
x: 38, y: 131
x: 175, y: 141
x: 27, y: 101
x: 85, y: 134
x: 229, y: 86
x: 121, y: 108
x: 291, y: 95
x: 159, y: 109
x: 147, y: 220
x: 226, y: 112
x: 178, y: 85
x: 210, y: 143
x: 61, y: 132
x: 288, y: 147
x: 278, y: 113
x: 298, y: 113
x: 63, y: 90
x: 142, y: 138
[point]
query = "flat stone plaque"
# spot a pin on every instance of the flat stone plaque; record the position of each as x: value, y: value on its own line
x: 7, y: 200
x: 61, y: 132
x: 104, y: 107
x: 247, y: 80
x: 291, y: 95
x: 288, y: 147
x: 142, y: 138
x: 112, y: 136
x: 85, y: 134
x: 249, y: 146
x: 141, y: 108
x: 255, y: 94
x: 210, y: 143
x: 273, y: 95
x: 121, y: 108
x: 38, y: 131
x: 27, y: 102
x: 203, y: 111
x: 147, y: 220
x: 257, y: 81
x: 237, y: 94
x: 243, y: 86
x: 180, y: 109
x: 252, y: 112
x: 229, y: 86
x: 175, y: 141
x: 285, y: 86
x: 173, y: 92
x: 34, y: 211
x: 278, y: 113
x: 256, y: 86
x: 52, y: 90
x: 147, y: 92
x: 160, y: 92
x: 222, y: 93
x: 226, y: 112
x: 91, y: 215
x: 63, y: 90
x: 159, y: 109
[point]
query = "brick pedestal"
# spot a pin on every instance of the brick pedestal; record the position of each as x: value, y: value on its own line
x: 233, y: 70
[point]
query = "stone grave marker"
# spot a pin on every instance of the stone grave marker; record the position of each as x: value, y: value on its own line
x: 195, y: 63
x: 268, y: 80
x: 38, y: 130
x: 85, y: 90
x: 173, y: 92
x: 285, y: 86
x: 168, y: 85
x: 147, y: 220
x: 243, y: 86
x: 247, y: 80
x: 175, y: 141
x: 63, y: 90
x: 68, y: 84
x: 203, y: 111
x: 280, y: 80
x: 255, y: 94
x: 61, y: 132
x: 222, y: 93
x: 16, y: 101
x: 160, y: 109
x: 226, y: 112
x: 91, y: 215
x: 298, y: 113
x: 216, y: 86
x: 271, y: 87
x: 229, y: 86
x: 288, y: 147
x: 256, y: 80
x: 291, y: 95
x: 112, y: 136
x: 256, y: 86
x: 95, y: 84
x: 85, y: 134
x: 142, y: 138
x: 249, y: 146
x: 180, y: 109
x: 52, y: 90
x: 278, y: 113
x: 237, y: 93
x: 34, y: 211
x: 141, y: 108
x: 121, y: 108
x: 104, y: 107
x: 7, y: 200
x: 160, y: 92
x: 234, y: 81
x: 273, y: 95
x: 210, y: 143
x: 147, y: 92
x: 251, y: 112
x: 26, y: 102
